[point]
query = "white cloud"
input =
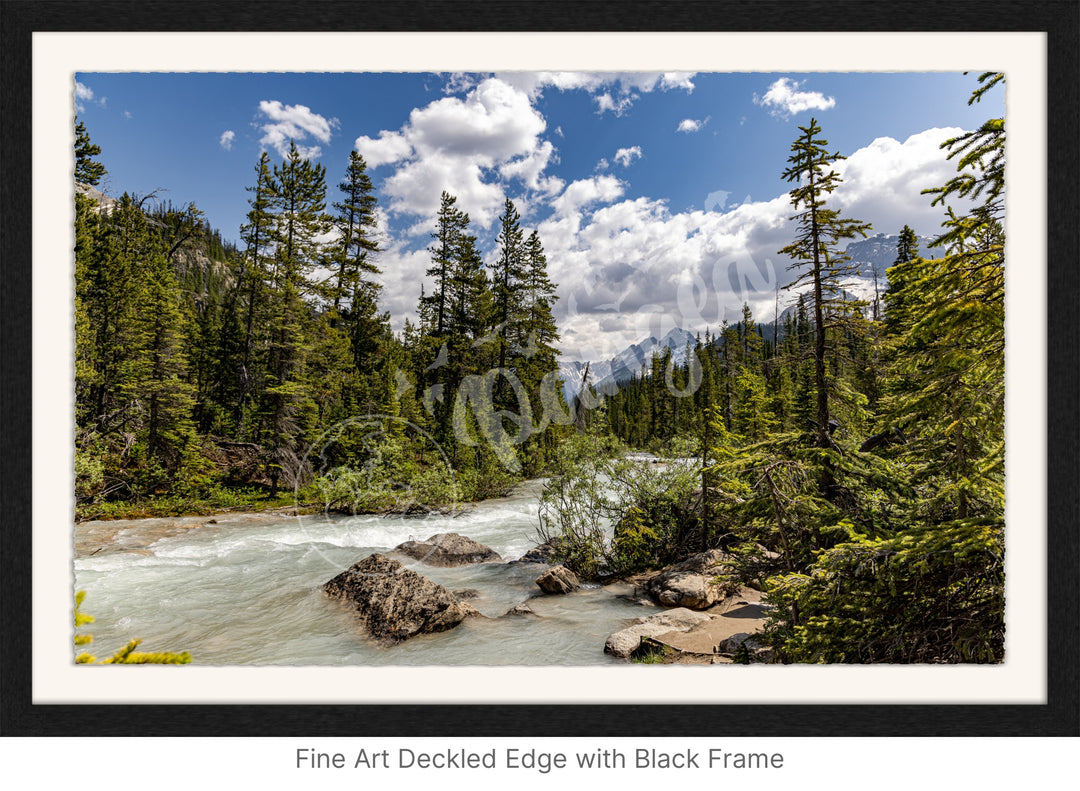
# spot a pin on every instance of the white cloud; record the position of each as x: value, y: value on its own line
x: 84, y: 94
x: 613, y: 92
x: 782, y: 99
x: 474, y: 147
x: 584, y: 192
x: 618, y: 105
x: 530, y: 167
x: 294, y: 123
x: 690, y: 125
x: 883, y: 181
x: 387, y: 148
x: 633, y: 268
x: 624, y: 156
x: 602, y: 165
x: 226, y: 139
x: 127, y: 115
x: 460, y: 82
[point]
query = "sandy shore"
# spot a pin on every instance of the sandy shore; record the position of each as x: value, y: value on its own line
x: 743, y: 612
x: 134, y: 535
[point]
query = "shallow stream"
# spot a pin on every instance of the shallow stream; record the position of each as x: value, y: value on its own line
x: 246, y: 590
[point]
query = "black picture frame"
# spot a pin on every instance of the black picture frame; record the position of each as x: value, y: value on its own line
x: 1059, y: 716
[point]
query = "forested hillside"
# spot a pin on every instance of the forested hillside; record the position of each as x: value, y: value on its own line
x: 208, y: 375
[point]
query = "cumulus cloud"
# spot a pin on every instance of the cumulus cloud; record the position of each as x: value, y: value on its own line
x: 624, y: 156
x: 226, y: 139
x: 584, y: 192
x: 294, y: 123
x: 387, y: 148
x: 628, y: 269
x: 883, y: 181
x: 613, y: 92
x: 690, y: 125
x: 784, y: 99
x: 474, y: 147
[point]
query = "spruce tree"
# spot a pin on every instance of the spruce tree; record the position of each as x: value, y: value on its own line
x: 450, y: 228
x: 299, y: 214
x: 355, y: 222
x: 87, y: 169
x: 259, y: 234
x: 508, y: 276
x: 814, y: 250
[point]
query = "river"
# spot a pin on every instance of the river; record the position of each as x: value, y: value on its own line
x: 246, y: 590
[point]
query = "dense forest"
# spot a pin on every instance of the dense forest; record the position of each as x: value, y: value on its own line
x: 850, y: 459
x: 210, y: 375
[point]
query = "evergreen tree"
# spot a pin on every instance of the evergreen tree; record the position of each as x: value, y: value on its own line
x: 355, y: 223
x: 446, y: 256
x: 931, y: 589
x: 299, y: 204
x: 907, y: 249
x: 508, y: 278
x: 815, y: 248
x: 259, y: 234
x: 87, y: 169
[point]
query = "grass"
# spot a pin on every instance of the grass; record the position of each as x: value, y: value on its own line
x: 214, y: 501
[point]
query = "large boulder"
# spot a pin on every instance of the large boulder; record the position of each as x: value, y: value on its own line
x: 558, y: 579
x: 395, y: 603
x: 449, y: 549
x: 626, y: 641
x: 692, y: 583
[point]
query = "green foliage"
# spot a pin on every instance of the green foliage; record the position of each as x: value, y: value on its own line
x: 606, y: 514
x: 927, y: 594
x: 126, y: 655
x: 913, y: 571
x: 815, y: 252
x: 87, y: 169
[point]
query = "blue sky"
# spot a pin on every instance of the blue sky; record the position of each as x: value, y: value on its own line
x: 648, y: 190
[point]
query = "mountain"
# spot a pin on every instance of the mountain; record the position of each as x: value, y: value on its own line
x: 606, y: 375
x: 880, y: 251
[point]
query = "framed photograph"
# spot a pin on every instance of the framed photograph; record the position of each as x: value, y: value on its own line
x: 396, y: 379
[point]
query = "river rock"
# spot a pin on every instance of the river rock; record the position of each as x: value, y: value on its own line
x: 692, y: 584
x: 394, y: 602
x: 624, y: 642
x: 470, y: 611
x: 558, y: 579
x: 449, y: 549
x: 538, y: 554
x: 465, y: 594
x: 731, y: 644
x: 522, y: 609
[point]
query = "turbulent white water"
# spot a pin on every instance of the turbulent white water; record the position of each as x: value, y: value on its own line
x: 248, y: 592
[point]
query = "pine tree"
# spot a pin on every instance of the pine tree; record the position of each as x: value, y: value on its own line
x: 931, y: 588
x: 87, y: 169
x: 815, y: 248
x: 907, y: 249
x: 449, y: 235
x: 260, y: 236
x: 508, y: 276
x: 355, y: 223
x: 299, y: 204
